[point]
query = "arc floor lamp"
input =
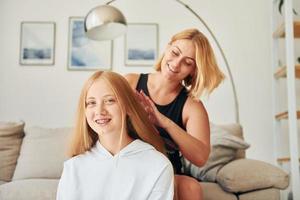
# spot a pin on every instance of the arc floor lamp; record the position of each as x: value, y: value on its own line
x: 106, y: 22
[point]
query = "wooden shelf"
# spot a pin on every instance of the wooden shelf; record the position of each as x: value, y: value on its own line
x: 281, y: 72
x: 284, y: 160
x: 279, y: 33
x: 284, y: 115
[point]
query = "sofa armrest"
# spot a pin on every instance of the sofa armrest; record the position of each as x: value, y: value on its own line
x: 246, y: 175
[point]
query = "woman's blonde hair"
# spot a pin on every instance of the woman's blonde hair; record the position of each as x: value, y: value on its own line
x: 207, y: 74
x: 136, y: 121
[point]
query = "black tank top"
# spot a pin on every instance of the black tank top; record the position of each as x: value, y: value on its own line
x: 173, y: 111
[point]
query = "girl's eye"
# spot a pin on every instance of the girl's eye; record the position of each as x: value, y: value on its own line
x: 90, y: 103
x: 109, y: 101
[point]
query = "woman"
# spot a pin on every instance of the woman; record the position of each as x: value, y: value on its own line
x: 185, y: 71
x: 110, y: 157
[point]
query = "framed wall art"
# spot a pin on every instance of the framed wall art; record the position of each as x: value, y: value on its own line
x: 141, y: 44
x: 37, y: 43
x: 84, y: 53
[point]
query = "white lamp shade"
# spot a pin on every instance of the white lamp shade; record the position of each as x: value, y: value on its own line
x: 104, y: 22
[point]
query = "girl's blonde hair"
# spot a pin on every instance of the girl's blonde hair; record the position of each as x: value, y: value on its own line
x: 207, y: 74
x: 136, y: 119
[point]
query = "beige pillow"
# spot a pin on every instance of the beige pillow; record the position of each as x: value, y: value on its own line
x: 220, y: 136
x: 224, y: 148
x: 11, y: 134
x: 42, y: 153
x: 246, y: 175
x: 236, y: 130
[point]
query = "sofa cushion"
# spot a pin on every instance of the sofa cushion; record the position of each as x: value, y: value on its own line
x: 247, y: 175
x: 29, y: 189
x: 42, y: 153
x: 212, y: 191
x: 224, y: 148
x: 270, y: 193
x: 11, y: 134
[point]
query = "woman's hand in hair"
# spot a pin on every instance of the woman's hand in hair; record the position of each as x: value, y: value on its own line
x: 146, y: 105
x: 154, y: 115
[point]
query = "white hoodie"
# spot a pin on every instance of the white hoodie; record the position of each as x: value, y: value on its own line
x: 137, y: 172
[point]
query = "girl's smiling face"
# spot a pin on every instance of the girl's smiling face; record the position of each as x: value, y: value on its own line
x: 103, y: 112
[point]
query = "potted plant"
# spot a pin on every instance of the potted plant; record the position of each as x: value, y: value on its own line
x: 280, y: 4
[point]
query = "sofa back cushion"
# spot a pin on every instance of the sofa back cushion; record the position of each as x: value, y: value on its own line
x: 11, y: 134
x: 42, y: 153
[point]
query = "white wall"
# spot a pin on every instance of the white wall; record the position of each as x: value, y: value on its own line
x: 47, y: 96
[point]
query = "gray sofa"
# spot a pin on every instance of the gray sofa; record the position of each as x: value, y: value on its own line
x: 31, y: 162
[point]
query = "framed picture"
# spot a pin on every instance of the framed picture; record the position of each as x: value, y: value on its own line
x: 37, y: 43
x: 141, y: 44
x: 86, y: 54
